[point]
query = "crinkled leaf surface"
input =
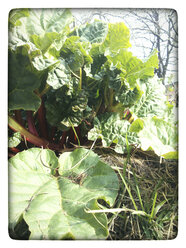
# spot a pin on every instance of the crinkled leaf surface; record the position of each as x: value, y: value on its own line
x: 160, y: 136
x: 43, y: 32
x: 55, y: 207
x: 128, y: 97
x: 59, y: 76
x: 64, y: 108
x: 111, y: 129
x: 117, y: 38
x: 42, y: 28
x: 15, y: 15
x: 132, y: 67
x: 152, y: 102
x: 75, y: 53
x: 14, y: 140
x: 95, y: 32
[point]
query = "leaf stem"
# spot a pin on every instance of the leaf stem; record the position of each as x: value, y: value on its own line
x: 31, y: 125
x: 18, y: 116
x: 80, y: 80
x: 47, y: 86
x: 42, y: 120
x: 74, y: 131
x: 14, y: 149
x: 40, y: 142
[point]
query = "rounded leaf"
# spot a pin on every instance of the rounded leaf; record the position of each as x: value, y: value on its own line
x: 54, y: 207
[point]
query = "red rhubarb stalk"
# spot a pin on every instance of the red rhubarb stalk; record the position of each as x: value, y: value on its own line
x: 18, y: 116
x: 31, y: 125
x: 41, y: 142
x: 42, y: 120
x: 14, y: 149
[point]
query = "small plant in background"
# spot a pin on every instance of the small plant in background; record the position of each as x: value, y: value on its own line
x: 73, y: 87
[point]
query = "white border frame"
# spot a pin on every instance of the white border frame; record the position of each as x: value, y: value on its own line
x: 5, y: 8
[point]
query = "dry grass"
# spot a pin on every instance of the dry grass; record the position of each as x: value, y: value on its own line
x: 153, y: 185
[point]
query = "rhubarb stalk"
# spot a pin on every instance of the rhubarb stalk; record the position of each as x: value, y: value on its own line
x: 31, y: 125
x: 41, y: 142
x: 42, y: 120
x: 18, y: 116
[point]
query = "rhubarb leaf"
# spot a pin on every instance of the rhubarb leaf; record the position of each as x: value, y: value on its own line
x: 159, y: 136
x: 14, y: 140
x: 64, y: 109
x: 75, y: 53
x: 59, y: 76
x: 95, y: 32
x: 132, y: 68
x: 112, y: 130
x: 41, y: 28
x: 153, y: 100
x: 117, y: 38
x: 23, y: 80
x: 15, y: 15
x: 55, y: 207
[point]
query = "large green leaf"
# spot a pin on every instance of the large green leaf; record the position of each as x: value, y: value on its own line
x: 44, y: 31
x: 23, y: 80
x: 15, y: 15
x: 54, y: 207
x: 128, y: 97
x: 60, y: 76
x: 153, y: 100
x: 158, y: 135
x: 42, y: 21
x: 117, y: 38
x: 75, y: 53
x: 64, y: 108
x: 42, y: 28
x: 95, y: 32
x: 133, y: 68
x: 23, y: 99
x: 111, y: 129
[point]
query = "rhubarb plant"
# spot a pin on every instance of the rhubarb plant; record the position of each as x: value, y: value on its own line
x: 61, y: 78
x: 71, y: 86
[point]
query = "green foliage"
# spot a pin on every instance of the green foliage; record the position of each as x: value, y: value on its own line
x: 63, y: 108
x: 15, y: 15
x: 14, y: 140
x: 83, y: 76
x: 54, y: 207
x: 43, y: 28
x: 75, y: 54
x: 117, y: 38
x: 85, y: 70
x: 133, y: 68
x: 60, y: 76
x: 23, y: 80
x: 111, y: 129
x: 153, y: 100
x: 159, y: 136
x: 92, y: 32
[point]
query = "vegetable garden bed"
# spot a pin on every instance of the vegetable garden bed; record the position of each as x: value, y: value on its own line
x: 83, y: 111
